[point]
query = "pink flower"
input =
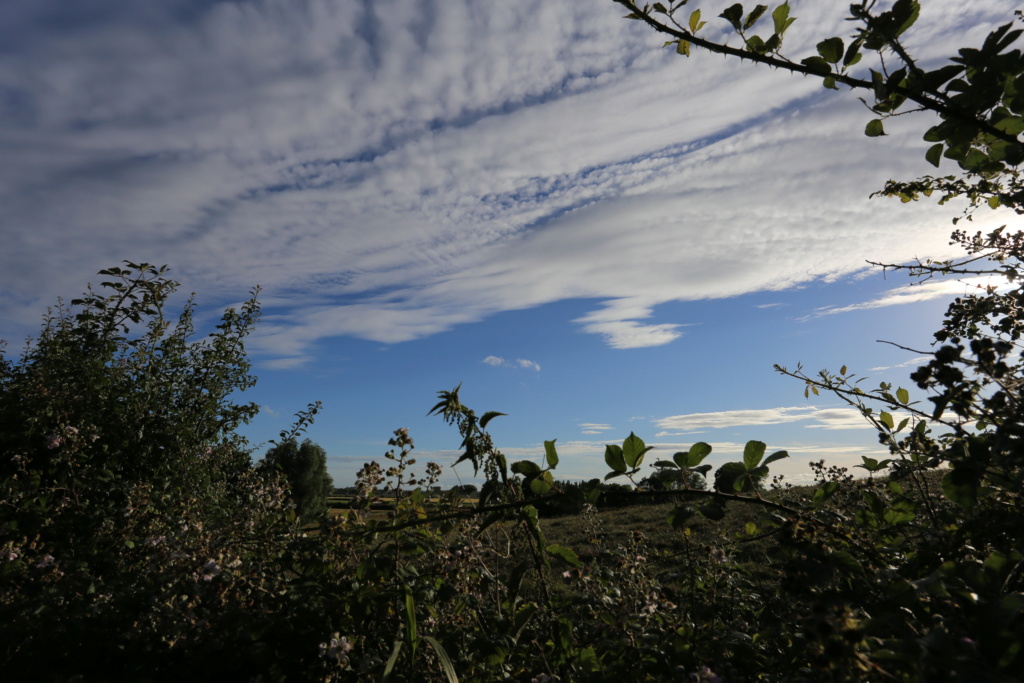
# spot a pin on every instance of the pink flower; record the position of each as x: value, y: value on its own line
x: 53, y: 441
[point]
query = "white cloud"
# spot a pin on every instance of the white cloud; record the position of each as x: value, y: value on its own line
x: 916, y: 361
x: 925, y: 291
x: 392, y: 170
x: 818, y: 418
x: 495, y: 361
x: 593, y: 428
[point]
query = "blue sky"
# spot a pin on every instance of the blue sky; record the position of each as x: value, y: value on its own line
x: 591, y: 234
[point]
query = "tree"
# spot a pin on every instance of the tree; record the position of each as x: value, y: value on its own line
x: 305, y: 467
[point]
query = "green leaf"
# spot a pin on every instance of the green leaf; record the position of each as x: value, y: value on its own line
x: 563, y: 553
x: 733, y: 15
x: 443, y: 658
x: 831, y: 50
x: 526, y: 468
x: 754, y: 15
x: 886, y: 419
x: 781, y: 19
x: 905, y: 13
x: 550, y: 453
x: 613, y: 457
x: 693, y: 457
x: 683, y: 48
x: 817, y: 65
x: 934, y: 154
x: 752, y: 454
x: 680, y: 515
x: 902, y: 395
x: 874, y: 128
x: 633, y: 449
x: 872, y: 465
x: 714, y: 511
x: 961, y: 486
x: 846, y: 562
x: 543, y: 484
x: 695, y: 22
x: 487, y: 417
x: 665, y: 464
x: 392, y: 660
x: 777, y: 455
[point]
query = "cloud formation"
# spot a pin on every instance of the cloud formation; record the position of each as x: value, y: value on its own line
x: 924, y: 291
x: 818, y: 418
x: 495, y: 361
x: 394, y: 169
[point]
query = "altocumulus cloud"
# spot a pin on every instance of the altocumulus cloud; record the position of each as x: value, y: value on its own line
x: 495, y: 361
x: 394, y: 169
x: 817, y: 418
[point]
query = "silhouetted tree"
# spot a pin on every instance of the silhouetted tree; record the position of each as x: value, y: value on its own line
x: 305, y: 467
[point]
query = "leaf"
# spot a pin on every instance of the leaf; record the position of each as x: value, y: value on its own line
x: 680, y: 515
x: 777, y: 455
x: 613, y: 457
x: 487, y: 417
x: 961, y: 486
x: 543, y: 484
x: 781, y: 18
x: 392, y: 660
x: 934, y: 154
x: 442, y: 656
x: 846, y: 562
x: 526, y: 468
x: 733, y: 15
x: 633, y: 449
x: 872, y: 465
x: 683, y: 48
x: 831, y: 50
x: 714, y: 511
x: 905, y: 13
x: 563, y: 553
x: 752, y: 454
x: 902, y: 395
x: 550, y: 453
x: 754, y: 15
x: 693, y: 457
x: 817, y: 65
x: 695, y: 22
x: 874, y: 128
x: 886, y: 419
x: 665, y: 464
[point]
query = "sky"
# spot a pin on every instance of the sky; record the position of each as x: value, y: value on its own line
x: 532, y: 199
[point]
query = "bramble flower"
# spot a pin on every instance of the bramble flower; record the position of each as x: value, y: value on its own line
x: 47, y: 561
x: 337, y: 649
x: 705, y: 675
x: 211, y: 570
x: 53, y: 441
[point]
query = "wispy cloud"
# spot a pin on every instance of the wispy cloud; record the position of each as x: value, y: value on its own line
x: 593, y: 428
x: 818, y: 418
x: 926, y: 291
x: 495, y: 361
x: 392, y: 170
x: 913, y: 362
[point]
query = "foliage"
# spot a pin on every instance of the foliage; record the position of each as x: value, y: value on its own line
x: 305, y: 468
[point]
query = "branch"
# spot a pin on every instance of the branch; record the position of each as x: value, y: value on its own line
x: 928, y: 101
